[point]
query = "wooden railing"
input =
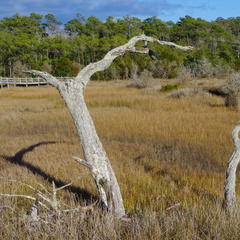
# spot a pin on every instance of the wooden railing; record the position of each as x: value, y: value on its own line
x: 6, y: 82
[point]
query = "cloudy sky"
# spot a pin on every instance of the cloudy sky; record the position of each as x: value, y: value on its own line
x: 166, y: 10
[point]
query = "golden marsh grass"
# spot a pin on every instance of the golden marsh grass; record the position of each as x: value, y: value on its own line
x: 164, y: 151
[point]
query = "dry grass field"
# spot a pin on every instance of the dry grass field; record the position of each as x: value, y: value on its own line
x: 169, y: 156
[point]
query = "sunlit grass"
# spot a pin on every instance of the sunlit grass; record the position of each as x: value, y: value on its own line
x: 164, y: 151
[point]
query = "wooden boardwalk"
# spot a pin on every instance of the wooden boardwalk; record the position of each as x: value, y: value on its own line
x: 25, y: 82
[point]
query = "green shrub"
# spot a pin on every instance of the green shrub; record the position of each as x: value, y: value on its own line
x: 170, y: 87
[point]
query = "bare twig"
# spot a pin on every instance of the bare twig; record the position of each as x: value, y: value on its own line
x: 44, y: 188
x: 24, y: 196
x: 83, y: 162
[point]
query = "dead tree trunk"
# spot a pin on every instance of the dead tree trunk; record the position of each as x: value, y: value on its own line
x: 95, y: 156
x: 230, y: 182
x: 94, y: 153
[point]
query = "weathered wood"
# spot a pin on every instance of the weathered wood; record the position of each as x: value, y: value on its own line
x: 95, y: 157
x: 230, y: 181
x: 85, y: 74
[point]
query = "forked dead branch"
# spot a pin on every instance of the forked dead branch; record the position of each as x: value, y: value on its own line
x: 95, y: 157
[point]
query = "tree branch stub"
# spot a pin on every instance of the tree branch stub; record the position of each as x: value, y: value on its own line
x: 83, y: 162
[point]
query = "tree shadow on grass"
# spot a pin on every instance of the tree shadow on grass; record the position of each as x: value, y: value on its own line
x: 17, y: 159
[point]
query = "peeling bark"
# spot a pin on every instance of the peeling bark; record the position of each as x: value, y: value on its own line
x: 230, y: 182
x: 95, y: 156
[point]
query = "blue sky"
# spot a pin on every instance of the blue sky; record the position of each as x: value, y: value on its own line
x: 166, y: 10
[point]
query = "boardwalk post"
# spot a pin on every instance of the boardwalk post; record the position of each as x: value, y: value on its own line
x: 1, y: 82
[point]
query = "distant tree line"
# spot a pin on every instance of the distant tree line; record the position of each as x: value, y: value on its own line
x: 44, y: 43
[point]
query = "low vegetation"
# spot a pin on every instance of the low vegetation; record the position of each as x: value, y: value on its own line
x: 170, y: 87
x: 232, y: 90
x: 169, y: 155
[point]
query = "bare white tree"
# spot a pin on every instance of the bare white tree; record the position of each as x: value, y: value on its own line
x: 95, y: 157
x: 230, y: 182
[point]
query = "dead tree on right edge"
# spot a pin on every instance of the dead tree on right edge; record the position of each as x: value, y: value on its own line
x: 230, y: 182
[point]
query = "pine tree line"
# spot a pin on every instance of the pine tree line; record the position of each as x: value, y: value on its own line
x: 44, y: 43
